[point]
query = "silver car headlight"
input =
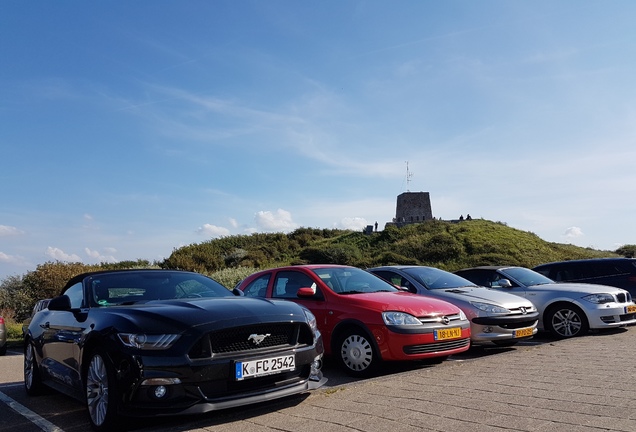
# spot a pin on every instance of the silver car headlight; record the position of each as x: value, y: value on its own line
x: 148, y: 342
x: 490, y: 308
x: 399, y: 319
x: 599, y: 298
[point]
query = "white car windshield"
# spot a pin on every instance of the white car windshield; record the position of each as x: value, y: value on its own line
x: 526, y: 276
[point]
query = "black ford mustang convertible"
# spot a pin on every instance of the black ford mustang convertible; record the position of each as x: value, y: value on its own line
x: 164, y: 342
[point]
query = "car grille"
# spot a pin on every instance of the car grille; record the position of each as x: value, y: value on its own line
x: 517, y: 325
x: 623, y: 297
x: 439, y: 319
x: 436, y: 347
x: 227, y: 388
x: 237, y: 339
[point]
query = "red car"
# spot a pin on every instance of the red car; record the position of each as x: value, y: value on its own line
x: 364, y: 319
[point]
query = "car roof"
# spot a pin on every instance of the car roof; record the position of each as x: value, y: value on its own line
x: 589, y: 260
x: 487, y: 268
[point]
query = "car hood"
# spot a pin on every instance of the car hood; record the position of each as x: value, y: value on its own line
x: 180, y: 315
x: 576, y: 287
x: 480, y: 294
x: 413, y: 304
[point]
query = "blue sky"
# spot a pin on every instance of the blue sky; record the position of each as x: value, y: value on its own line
x: 129, y: 129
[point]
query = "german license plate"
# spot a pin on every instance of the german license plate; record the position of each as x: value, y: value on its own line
x: 266, y: 366
x: 630, y: 309
x: 523, y: 332
x: 449, y: 333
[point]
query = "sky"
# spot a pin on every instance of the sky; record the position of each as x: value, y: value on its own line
x: 131, y: 129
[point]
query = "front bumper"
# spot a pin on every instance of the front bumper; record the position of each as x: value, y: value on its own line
x: 503, y: 328
x: 151, y: 386
x: 611, y: 316
x: 419, y: 344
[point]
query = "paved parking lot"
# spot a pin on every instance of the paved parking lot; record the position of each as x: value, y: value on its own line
x: 584, y: 384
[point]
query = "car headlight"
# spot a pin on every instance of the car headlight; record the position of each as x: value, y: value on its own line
x: 148, y: 342
x: 311, y: 320
x: 399, y: 318
x: 599, y: 298
x: 490, y: 308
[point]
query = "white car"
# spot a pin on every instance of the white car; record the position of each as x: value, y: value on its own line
x: 566, y: 309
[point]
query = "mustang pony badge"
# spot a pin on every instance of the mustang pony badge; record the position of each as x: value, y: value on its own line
x: 258, y: 338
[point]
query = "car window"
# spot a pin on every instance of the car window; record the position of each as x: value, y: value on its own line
x: 76, y: 294
x: 258, y: 287
x: 352, y: 280
x: 434, y: 278
x: 482, y: 278
x: 287, y: 284
x: 393, y: 278
x: 112, y: 289
x: 525, y: 276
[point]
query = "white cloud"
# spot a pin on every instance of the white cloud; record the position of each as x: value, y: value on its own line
x: 9, y: 231
x: 279, y: 221
x: 8, y: 258
x: 60, y: 255
x: 234, y: 223
x: 96, y: 255
x: 573, y: 232
x: 352, y: 223
x: 212, y: 231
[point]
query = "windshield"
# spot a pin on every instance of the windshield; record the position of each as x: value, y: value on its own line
x: 351, y: 280
x: 112, y: 289
x: 526, y: 276
x: 433, y: 278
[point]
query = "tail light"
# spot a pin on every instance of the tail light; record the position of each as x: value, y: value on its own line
x: 1, y: 320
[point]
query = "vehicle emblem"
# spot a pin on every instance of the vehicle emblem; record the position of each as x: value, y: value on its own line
x: 523, y: 310
x: 446, y: 320
x: 257, y: 338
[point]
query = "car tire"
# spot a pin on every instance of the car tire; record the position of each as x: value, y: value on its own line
x: 3, y: 350
x: 566, y: 320
x: 32, y: 378
x: 357, y: 354
x: 101, y: 392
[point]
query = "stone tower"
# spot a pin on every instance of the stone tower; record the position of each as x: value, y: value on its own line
x: 413, y: 207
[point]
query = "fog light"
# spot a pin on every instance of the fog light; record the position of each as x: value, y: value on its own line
x: 160, y: 391
x: 314, y: 371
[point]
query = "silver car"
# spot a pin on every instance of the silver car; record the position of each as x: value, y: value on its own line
x: 495, y: 317
x: 566, y: 309
x: 3, y: 337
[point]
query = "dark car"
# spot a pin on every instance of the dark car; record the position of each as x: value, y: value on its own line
x: 364, y: 319
x: 164, y: 342
x: 618, y: 272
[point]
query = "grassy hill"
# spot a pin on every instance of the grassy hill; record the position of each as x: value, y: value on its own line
x: 446, y: 245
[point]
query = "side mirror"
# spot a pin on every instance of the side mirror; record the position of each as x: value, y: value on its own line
x: 504, y: 283
x: 306, y: 292
x: 237, y: 292
x: 61, y: 303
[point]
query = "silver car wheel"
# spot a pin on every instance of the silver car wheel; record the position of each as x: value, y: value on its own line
x: 566, y: 322
x: 97, y: 390
x: 356, y: 353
